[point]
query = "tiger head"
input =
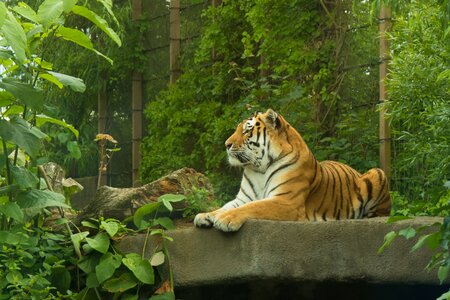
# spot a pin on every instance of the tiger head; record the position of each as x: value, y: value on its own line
x: 258, y: 141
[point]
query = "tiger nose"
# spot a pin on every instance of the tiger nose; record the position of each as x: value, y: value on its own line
x: 228, y: 145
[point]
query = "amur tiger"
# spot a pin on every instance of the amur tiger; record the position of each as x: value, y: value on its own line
x: 282, y: 180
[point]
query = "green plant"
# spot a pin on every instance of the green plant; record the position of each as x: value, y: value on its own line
x: 198, y: 201
x: 107, y: 272
x: 26, y: 34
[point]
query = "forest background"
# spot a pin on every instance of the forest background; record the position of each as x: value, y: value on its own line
x: 316, y: 62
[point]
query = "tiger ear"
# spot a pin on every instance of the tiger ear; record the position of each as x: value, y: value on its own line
x: 272, y: 119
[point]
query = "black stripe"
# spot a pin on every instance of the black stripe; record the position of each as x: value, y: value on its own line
x: 369, y: 188
x: 245, y: 194
x: 284, y: 182
x: 290, y: 163
x: 251, y: 184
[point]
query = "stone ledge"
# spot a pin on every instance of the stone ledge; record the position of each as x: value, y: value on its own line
x: 343, y: 251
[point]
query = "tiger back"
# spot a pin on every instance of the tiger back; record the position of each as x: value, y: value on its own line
x: 282, y: 180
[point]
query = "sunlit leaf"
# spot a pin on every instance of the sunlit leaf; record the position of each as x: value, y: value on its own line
x: 68, y: 5
x: 408, y: 233
x: 42, y: 119
x: 15, y: 36
x: 76, y: 84
x: 98, y: 21
x: 2, y: 13
x: 49, y: 11
x: 110, y: 227
x: 26, y: 11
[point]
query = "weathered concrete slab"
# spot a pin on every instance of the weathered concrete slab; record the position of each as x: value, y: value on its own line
x: 294, y: 251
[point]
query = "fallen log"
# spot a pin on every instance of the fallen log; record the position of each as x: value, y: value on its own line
x: 120, y: 203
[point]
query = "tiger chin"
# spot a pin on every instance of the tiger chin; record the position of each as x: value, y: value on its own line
x: 282, y: 180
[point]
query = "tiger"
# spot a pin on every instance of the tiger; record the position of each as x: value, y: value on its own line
x: 282, y: 180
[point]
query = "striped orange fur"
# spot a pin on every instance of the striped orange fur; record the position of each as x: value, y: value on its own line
x: 282, y: 180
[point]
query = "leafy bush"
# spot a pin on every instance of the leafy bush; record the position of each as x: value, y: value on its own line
x: 419, y: 110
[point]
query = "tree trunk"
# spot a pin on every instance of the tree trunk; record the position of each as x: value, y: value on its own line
x: 120, y: 203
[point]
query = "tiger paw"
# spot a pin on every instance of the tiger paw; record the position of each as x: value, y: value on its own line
x: 229, y: 221
x: 204, y: 220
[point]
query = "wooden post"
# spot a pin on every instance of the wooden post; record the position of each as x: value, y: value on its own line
x: 136, y: 106
x: 175, y: 40
x: 102, y: 102
x: 385, y: 131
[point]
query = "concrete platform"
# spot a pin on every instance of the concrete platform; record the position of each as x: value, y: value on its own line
x: 337, y: 251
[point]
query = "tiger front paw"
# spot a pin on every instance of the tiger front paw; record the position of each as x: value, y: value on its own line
x: 204, y: 220
x: 229, y: 221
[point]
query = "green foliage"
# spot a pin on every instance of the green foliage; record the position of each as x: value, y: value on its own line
x: 190, y: 121
x: 418, y: 105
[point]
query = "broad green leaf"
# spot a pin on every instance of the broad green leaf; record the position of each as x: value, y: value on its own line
x: 388, y: 239
x: 76, y: 84
x: 107, y: 266
x: 39, y: 199
x: 408, y: 233
x: 110, y: 227
x: 2, y: 13
x: 27, y: 94
x: 98, y: 21
x: 165, y: 222
x: 443, y: 273
x: 15, y: 36
x: 143, y: 211
x: 26, y: 11
x: 157, y: 259
x: 100, y: 242
x: 171, y: 198
x: 78, y: 37
x: 107, y: 4
x: 68, y: 5
x: 24, y: 178
x: 42, y: 119
x: 52, y: 79
x: 434, y: 240
x: 125, y: 282
x: 49, y: 11
x: 165, y: 296
x: 88, y: 263
x: 18, y: 131
x: 140, y: 267
x: 12, y: 210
